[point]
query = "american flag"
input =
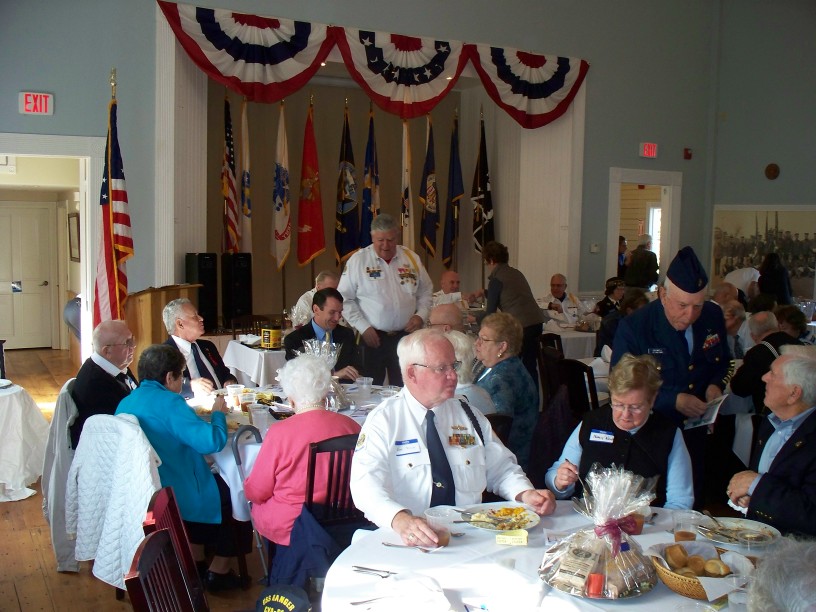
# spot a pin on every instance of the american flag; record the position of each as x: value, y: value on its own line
x: 232, y: 236
x: 116, y: 244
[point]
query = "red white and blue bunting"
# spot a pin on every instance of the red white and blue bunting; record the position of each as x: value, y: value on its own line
x: 267, y: 59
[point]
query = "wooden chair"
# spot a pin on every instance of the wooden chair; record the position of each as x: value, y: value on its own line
x: 337, y: 507
x: 155, y: 581
x: 580, y: 381
x: 250, y: 324
x: 501, y: 424
x: 163, y: 513
x: 552, y: 340
x: 548, y: 373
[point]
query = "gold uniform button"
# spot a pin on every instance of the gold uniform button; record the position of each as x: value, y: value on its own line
x: 716, y: 359
x: 691, y: 386
x: 691, y: 367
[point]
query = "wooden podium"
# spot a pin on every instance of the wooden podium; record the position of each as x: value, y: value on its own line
x: 143, y: 313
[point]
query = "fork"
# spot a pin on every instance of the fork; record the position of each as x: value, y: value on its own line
x: 419, y: 548
x: 371, y: 570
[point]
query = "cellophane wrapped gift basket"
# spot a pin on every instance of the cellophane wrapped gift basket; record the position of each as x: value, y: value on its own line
x: 605, y: 562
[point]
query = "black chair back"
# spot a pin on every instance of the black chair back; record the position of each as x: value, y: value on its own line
x: 250, y: 324
x: 501, y: 424
x: 334, y: 456
x: 548, y: 372
x: 580, y: 381
x: 552, y: 340
x: 155, y: 580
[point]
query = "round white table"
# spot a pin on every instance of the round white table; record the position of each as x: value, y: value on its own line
x: 23, y: 436
x: 253, y: 367
x: 475, y: 571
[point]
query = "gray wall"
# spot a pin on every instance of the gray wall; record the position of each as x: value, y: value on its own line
x: 655, y: 76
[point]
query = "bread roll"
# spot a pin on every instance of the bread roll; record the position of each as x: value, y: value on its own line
x: 676, y: 556
x: 687, y: 572
x: 715, y: 568
x: 696, y: 564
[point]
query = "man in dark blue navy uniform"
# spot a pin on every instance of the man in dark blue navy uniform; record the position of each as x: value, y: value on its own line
x: 686, y: 334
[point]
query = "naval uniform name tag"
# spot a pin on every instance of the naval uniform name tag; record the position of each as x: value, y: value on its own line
x: 596, y: 435
x: 407, y: 447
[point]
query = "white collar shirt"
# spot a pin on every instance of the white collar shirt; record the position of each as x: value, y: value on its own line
x: 110, y: 368
x: 391, y: 470
x: 185, y: 346
x: 385, y: 295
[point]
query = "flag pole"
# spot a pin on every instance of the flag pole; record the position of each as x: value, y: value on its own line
x: 482, y: 230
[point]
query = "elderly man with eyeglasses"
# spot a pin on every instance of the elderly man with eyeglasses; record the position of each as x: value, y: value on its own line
x: 423, y: 448
x: 105, y: 378
x: 629, y: 435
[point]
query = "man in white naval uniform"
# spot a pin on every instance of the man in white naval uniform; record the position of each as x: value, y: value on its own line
x: 394, y: 471
x: 387, y: 294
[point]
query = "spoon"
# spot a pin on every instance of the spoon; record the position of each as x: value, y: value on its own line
x: 718, y: 524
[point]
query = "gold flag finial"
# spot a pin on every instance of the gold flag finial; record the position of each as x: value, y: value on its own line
x: 113, y: 82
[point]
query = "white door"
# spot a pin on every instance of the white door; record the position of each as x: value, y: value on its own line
x: 27, y: 236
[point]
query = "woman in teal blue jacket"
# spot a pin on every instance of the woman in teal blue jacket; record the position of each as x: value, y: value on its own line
x: 181, y: 439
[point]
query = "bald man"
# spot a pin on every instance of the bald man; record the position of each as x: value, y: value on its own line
x: 449, y: 292
x: 446, y: 317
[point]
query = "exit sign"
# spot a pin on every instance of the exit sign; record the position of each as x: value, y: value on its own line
x: 35, y: 103
x: 648, y: 149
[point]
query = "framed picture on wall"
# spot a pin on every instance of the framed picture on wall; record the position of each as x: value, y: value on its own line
x: 744, y: 234
x: 73, y: 236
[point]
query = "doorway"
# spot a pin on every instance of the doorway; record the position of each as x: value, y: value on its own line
x: 668, y: 188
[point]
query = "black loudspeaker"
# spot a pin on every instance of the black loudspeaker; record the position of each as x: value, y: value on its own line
x: 202, y: 269
x: 236, y: 288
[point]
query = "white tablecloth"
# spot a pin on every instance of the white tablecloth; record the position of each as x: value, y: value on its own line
x: 23, y: 435
x: 476, y: 571
x: 576, y: 344
x: 253, y: 367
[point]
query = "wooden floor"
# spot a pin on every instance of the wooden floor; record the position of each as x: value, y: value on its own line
x: 28, y: 577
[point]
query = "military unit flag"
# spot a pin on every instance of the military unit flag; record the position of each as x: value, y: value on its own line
x: 281, y: 204
x: 246, y: 200
x: 371, y: 186
x: 407, y: 215
x: 346, y: 221
x: 428, y: 197
x: 456, y: 191
x: 482, y: 200
x: 311, y: 241
x: 232, y: 230
x: 116, y: 241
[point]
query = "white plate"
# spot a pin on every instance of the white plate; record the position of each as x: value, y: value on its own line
x: 531, y: 518
x: 738, y: 523
x: 5, y: 383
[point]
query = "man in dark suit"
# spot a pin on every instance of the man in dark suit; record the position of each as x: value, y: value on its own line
x: 780, y: 487
x: 104, y: 379
x: 205, y: 370
x: 327, y: 310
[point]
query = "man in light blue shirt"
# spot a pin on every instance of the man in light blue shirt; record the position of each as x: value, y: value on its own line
x: 780, y: 487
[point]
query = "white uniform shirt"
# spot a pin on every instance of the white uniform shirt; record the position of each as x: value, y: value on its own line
x: 391, y: 470
x: 571, y: 305
x: 302, y: 312
x: 440, y: 297
x: 742, y: 278
x: 385, y: 296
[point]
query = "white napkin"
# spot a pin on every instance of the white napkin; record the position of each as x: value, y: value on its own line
x: 249, y: 339
x: 738, y: 508
x: 552, y: 325
x: 606, y: 353
x: 600, y: 368
x: 408, y: 592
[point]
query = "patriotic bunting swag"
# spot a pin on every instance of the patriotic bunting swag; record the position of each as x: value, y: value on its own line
x: 346, y: 220
x: 116, y: 243
x: 267, y: 58
x: 456, y: 191
x: 371, y: 186
x: 428, y: 197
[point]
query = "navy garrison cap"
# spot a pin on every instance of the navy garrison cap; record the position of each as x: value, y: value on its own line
x: 686, y: 271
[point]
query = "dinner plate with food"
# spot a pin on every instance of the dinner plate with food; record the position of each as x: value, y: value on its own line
x: 740, y: 532
x: 501, y: 516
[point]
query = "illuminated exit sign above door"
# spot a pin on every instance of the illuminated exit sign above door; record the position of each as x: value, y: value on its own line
x: 35, y: 103
x: 648, y: 149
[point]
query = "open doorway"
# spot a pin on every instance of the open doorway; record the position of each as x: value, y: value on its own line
x: 661, y: 209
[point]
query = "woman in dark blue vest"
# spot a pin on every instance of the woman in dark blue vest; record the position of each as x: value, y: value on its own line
x: 629, y: 435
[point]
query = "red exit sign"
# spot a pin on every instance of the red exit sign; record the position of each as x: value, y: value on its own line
x: 35, y: 103
x: 648, y: 149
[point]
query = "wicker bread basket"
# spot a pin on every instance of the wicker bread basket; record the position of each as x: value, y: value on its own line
x: 687, y: 587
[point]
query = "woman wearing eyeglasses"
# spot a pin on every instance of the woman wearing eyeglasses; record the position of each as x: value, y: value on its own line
x: 507, y: 381
x: 629, y: 435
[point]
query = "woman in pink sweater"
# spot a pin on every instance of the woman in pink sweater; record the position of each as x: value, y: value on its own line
x: 277, y: 484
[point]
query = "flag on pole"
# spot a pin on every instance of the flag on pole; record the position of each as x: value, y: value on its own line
x: 482, y: 200
x: 246, y: 200
x: 456, y: 191
x: 428, y: 197
x: 311, y: 241
x: 116, y: 243
x: 346, y: 221
x: 281, y: 218
x: 371, y: 186
x: 232, y: 232
x: 407, y: 216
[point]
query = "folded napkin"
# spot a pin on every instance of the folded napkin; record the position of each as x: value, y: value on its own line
x: 600, y: 368
x: 408, y: 592
x: 249, y: 339
x: 738, y: 508
x: 553, y: 326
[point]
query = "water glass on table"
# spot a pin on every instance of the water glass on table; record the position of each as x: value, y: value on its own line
x: 233, y: 396
x: 685, y: 525
x: 363, y: 386
x: 247, y: 399
x: 259, y: 416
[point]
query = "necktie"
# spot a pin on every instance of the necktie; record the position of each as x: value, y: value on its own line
x: 123, y: 378
x: 442, y: 491
x: 203, y: 370
x: 738, y: 352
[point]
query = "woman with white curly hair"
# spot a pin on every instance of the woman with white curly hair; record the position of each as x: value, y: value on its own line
x: 277, y: 484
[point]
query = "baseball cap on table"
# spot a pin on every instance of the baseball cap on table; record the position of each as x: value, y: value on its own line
x: 686, y: 271
x: 283, y: 598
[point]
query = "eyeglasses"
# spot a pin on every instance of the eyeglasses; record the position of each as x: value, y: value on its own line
x: 632, y: 408
x: 436, y: 324
x: 483, y: 339
x: 130, y: 343
x: 443, y: 369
